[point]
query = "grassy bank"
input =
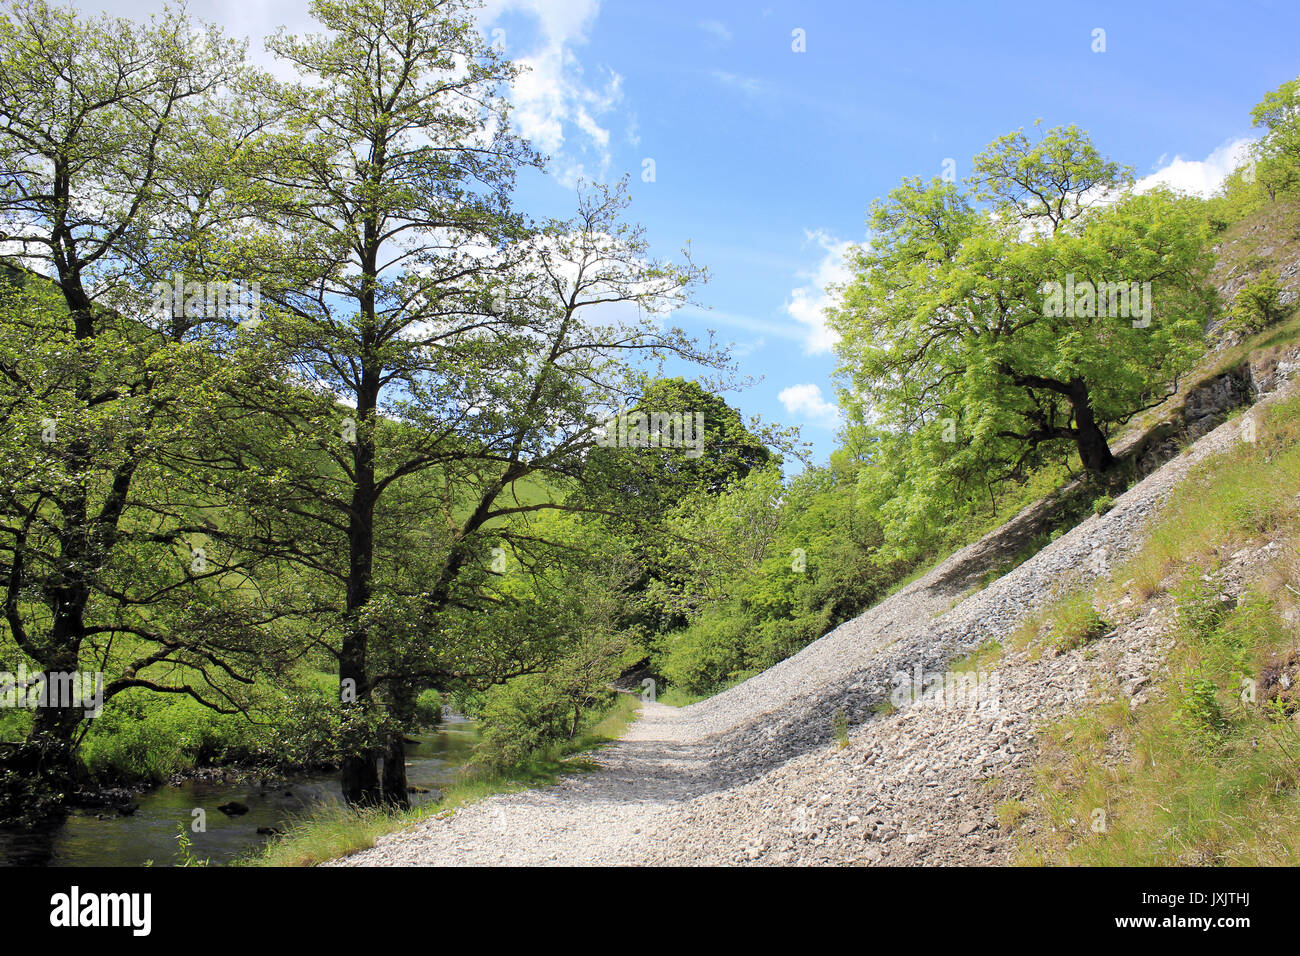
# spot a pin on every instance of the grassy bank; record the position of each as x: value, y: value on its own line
x: 1207, y: 769
x: 335, y: 831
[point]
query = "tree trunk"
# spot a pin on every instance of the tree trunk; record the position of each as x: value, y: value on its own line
x: 53, y: 734
x: 37, y: 775
x: 395, y: 787
x: 360, y: 778
x: 1094, y: 451
x: 51, y: 743
x: 361, y: 765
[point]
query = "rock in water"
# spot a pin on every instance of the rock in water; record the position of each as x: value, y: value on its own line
x: 233, y: 809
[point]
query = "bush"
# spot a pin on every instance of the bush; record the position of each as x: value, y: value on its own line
x: 1199, y: 713
x: 1257, y: 306
x: 143, y: 737
x: 707, y: 654
x: 1200, y: 608
x: 520, y: 717
x: 1075, y: 622
x: 138, y: 737
x: 428, y: 708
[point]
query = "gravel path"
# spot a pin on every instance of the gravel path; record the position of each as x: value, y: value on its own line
x: 756, y: 774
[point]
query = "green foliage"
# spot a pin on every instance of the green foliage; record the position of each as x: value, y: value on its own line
x: 1199, y: 714
x: 140, y: 738
x: 1240, y: 196
x: 1257, y: 305
x: 111, y: 560
x: 956, y: 336
x: 1277, y: 153
x: 762, y: 570
x: 428, y: 708
x: 755, y: 574
x: 15, y: 723
x: 1075, y: 622
x: 1201, y: 607
x: 528, y: 715
x: 519, y: 717
x: 711, y: 652
x: 726, y: 450
x: 185, y: 848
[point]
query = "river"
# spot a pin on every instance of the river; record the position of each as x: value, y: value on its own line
x: 149, y: 835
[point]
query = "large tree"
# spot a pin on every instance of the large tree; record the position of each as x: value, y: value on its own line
x: 1277, y: 153
x: 983, y: 335
x: 100, y: 543
x: 723, y: 449
x: 448, y: 364
x: 381, y: 203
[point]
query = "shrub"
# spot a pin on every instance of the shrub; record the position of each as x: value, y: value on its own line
x: 1199, y: 714
x: 1075, y: 622
x: 519, y: 717
x: 149, y: 738
x: 1257, y: 305
x: 707, y: 654
x: 428, y: 708
x: 1200, y: 608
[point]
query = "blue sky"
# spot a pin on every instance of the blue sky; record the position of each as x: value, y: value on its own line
x: 766, y: 158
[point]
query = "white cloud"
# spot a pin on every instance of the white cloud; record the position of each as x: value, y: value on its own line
x: 806, y: 401
x: 717, y: 28
x: 749, y: 85
x: 557, y: 105
x: 807, y: 303
x: 712, y: 318
x: 1201, y: 177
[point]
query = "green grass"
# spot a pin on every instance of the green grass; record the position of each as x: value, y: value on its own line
x: 1075, y: 622
x: 1207, y: 770
x: 840, y: 728
x: 676, y: 697
x: 333, y: 831
x: 1072, y: 621
x: 978, y: 660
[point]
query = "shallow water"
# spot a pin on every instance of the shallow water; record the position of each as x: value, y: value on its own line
x: 149, y: 835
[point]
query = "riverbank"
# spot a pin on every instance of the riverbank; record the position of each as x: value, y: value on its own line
x: 141, y: 826
x: 336, y: 831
